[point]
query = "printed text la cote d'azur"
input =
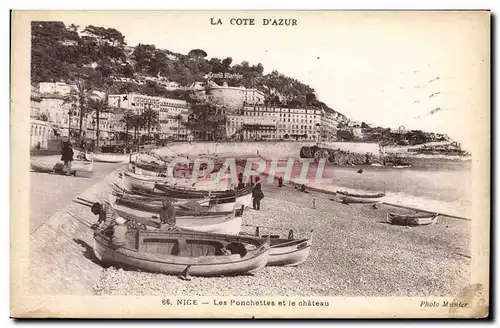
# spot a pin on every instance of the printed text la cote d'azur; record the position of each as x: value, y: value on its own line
x: 253, y: 21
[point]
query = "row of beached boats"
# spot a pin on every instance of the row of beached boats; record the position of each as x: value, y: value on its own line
x: 393, y: 218
x: 207, y: 239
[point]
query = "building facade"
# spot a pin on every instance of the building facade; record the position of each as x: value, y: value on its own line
x: 172, y: 113
x: 274, y: 123
x: 35, y: 100
x: 39, y: 128
x: 39, y: 134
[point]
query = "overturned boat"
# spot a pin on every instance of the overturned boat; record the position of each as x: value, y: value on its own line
x: 412, y: 220
x: 363, y: 198
x: 108, y: 158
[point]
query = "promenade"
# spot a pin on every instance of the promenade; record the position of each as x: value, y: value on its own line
x: 51, y: 192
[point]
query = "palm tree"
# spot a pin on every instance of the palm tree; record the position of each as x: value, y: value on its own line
x: 80, y: 94
x: 128, y: 119
x: 137, y: 123
x: 179, y: 119
x: 99, y: 105
x: 151, y: 119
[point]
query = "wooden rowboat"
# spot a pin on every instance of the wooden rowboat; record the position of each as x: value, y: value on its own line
x: 412, y: 220
x: 197, y: 254
x: 137, y: 170
x: 243, y: 196
x: 287, y: 251
x: 108, y: 158
x: 216, y: 223
x: 57, y: 167
x: 347, y: 198
x: 41, y: 167
x: 155, y: 207
x: 131, y: 180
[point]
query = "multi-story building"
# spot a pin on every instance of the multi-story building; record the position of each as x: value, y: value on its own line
x: 36, y: 99
x: 171, y: 112
x: 110, y: 126
x: 62, y: 115
x: 60, y: 88
x: 39, y: 128
x: 276, y: 123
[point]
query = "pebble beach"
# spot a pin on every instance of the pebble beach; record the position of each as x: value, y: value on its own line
x: 355, y: 253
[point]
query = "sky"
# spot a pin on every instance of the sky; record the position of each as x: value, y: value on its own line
x: 384, y: 68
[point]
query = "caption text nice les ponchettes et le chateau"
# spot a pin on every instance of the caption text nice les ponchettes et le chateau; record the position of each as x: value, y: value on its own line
x: 253, y: 21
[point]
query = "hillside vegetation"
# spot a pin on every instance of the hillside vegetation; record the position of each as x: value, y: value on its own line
x: 97, y: 54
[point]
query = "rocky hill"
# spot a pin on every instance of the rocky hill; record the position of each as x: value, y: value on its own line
x: 102, y: 57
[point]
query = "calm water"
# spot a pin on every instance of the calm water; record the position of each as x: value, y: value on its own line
x: 432, y: 184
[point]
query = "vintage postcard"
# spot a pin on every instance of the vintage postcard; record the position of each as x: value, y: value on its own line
x: 250, y: 164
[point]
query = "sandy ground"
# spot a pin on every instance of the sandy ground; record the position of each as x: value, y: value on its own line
x: 49, y: 192
x: 355, y: 253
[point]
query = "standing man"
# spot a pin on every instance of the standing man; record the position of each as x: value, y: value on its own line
x: 257, y: 194
x: 67, y: 157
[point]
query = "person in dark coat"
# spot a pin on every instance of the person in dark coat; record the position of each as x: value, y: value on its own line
x: 280, y: 182
x: 167, y: 215
x: 67, y: 157
x: 257, y: 194
x: 241, y: 184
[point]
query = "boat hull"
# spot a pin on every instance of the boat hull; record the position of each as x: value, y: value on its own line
x: 289, y: 253
x: 107, y: 158
x: 361, y: 199
x: 225, y: 224
x: 409, y: 220
x: 170, y: 263
x: 244, y: 200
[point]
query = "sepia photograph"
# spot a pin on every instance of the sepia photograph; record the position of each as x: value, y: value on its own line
x: 250, y: 164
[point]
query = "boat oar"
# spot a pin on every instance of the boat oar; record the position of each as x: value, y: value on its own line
x: 84, y: 201
x: 185, y: 274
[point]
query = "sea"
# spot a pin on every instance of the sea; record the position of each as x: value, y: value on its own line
x: 431, y: 184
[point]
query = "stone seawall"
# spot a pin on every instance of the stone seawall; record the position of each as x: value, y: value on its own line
x: 61, y: 258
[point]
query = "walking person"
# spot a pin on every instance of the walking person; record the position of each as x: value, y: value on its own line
x: 257, y: 194
x: 67, y: 157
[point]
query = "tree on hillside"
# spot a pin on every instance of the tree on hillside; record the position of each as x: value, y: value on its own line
x: 110, y: 35
x: 99, y: 105
x: 310, y: 97
x: 197, y: 53
x: 227, y: 62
